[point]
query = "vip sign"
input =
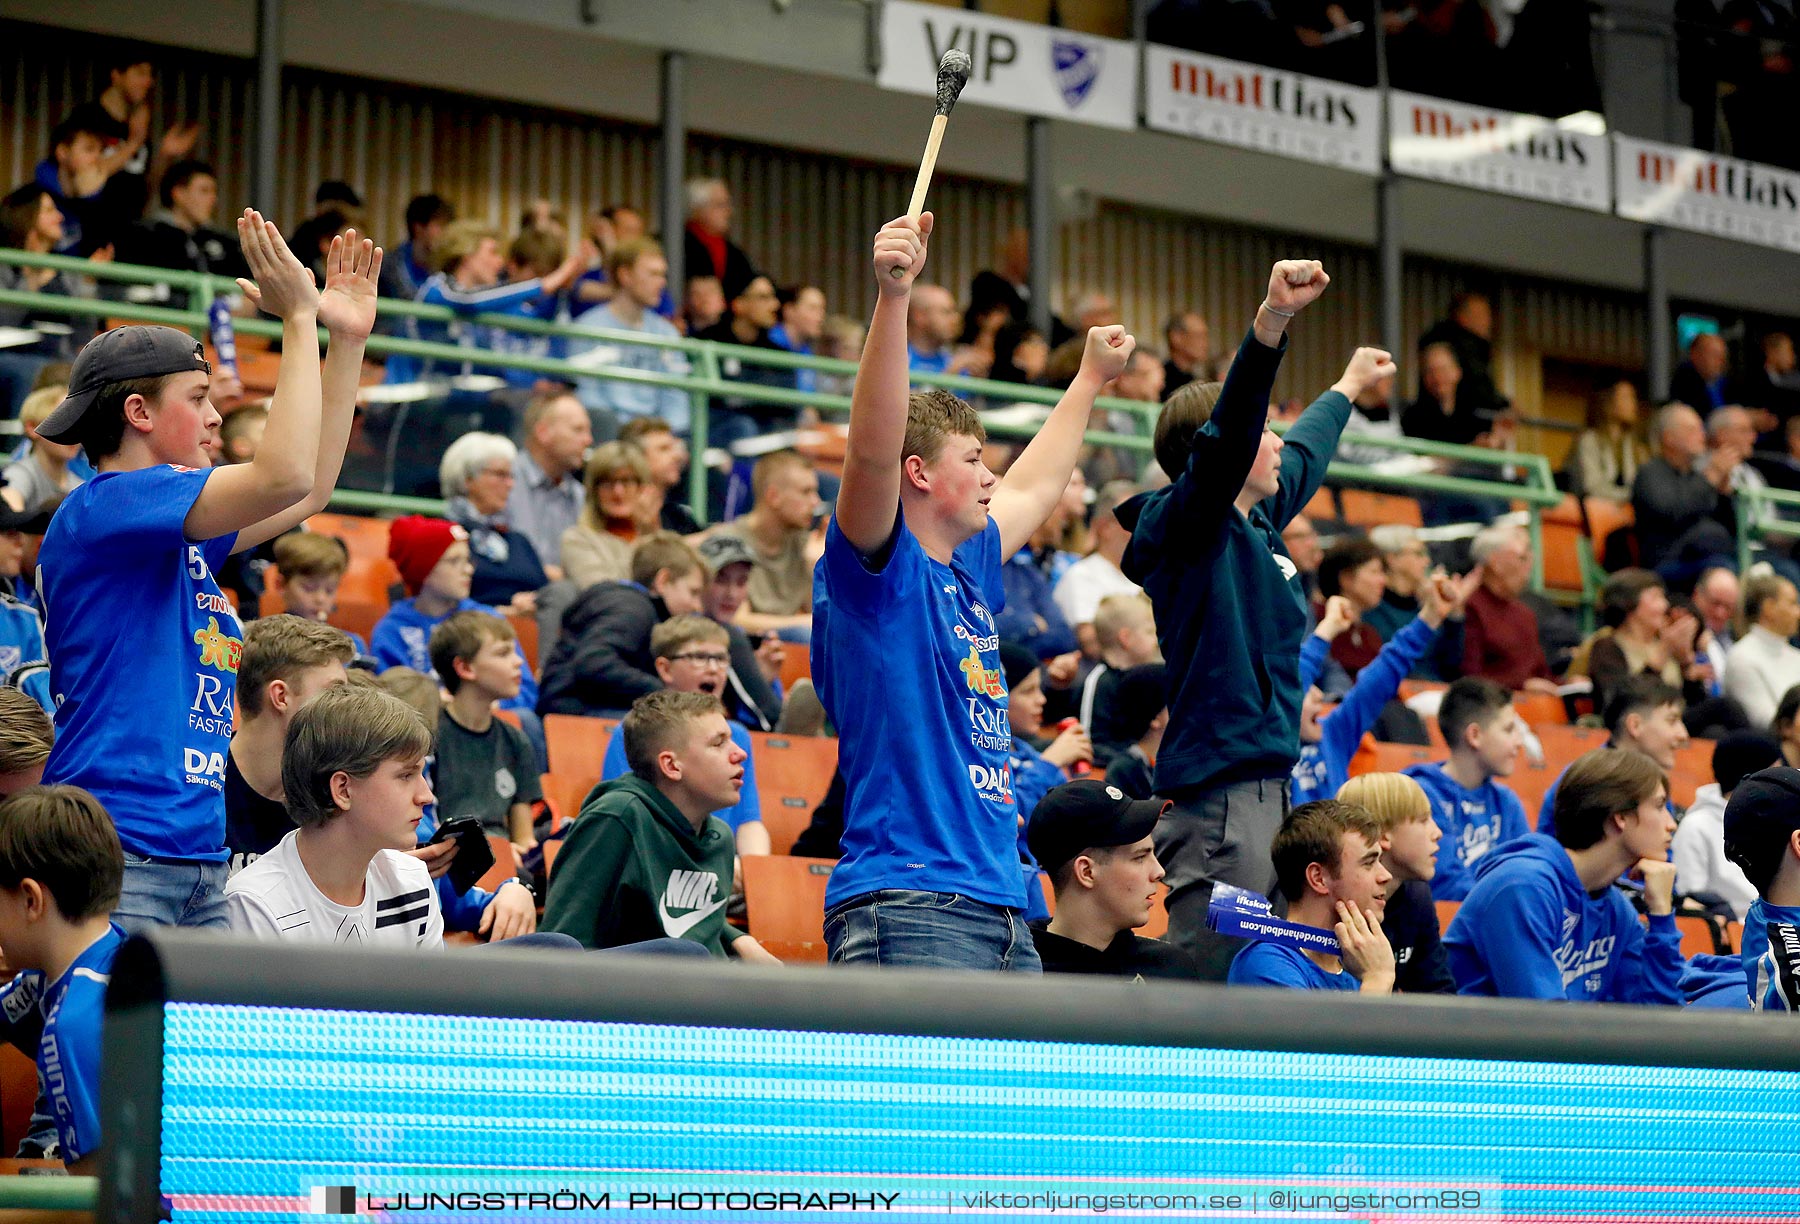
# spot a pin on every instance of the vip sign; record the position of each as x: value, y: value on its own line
x: 1706, y: 193
x: 1017, y: 65
x: 1262, y: 108
x: 1499, y: 151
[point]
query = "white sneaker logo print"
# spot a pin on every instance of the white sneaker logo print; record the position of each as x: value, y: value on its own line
x: 689, y: 890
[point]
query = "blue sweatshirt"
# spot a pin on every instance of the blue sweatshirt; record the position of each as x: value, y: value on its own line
x: 1528, y: 930
x: 1277, y: 965
x: 1772, y: 967
x: 1324, y: 767
x: 1230, y: 604
x: 402, y: 639
x: 1473, y: 823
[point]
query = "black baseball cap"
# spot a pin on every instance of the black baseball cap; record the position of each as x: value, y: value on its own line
x: 1087, y: 814
x: 724, y: 549
x: 119, y: 355
x: 1760, y: 820
x: 35, y: 522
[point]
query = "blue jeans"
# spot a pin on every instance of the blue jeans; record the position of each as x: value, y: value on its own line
x: 902, y: 928
x: 170, y: 892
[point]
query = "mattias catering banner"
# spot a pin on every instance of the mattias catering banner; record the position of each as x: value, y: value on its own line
x: 1263, y: 108
x: 1706, y: 193
x: 1499, y: 151
x: 1018, y: 66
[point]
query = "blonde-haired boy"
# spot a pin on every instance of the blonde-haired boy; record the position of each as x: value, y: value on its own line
x: 1409, y: 846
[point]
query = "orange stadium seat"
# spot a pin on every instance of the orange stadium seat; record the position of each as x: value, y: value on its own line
x: 1158, y: 925
x: 1446, y: 910
x: 564, y: 796
x: 785, y: 817
x: 1363, y: 508
x: 506, y: 863
x: 577, y: 745
x: 784, y: 899
x: 1323, y: 504
x: 1540, y: 709
x: 793, y: 772
x: 796, y: 664
x: 18, y: 1094
x: 1562, y: 533
x: 1698, y: 936
x: 526, y: 628
x: 1605, y: 517
x: 1391, y: 758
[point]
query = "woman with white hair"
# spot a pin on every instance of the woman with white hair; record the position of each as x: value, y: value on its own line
x: 476, y: 475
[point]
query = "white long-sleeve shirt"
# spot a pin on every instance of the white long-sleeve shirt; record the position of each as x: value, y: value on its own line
x: 1699, y: 853
x: 1758, y: 671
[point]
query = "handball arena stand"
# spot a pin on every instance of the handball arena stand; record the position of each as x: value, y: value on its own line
x: 258, y: 1082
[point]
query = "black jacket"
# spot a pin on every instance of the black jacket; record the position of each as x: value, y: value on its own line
x: 602, y: 661
x: 748, y: 695
x: 1411, y: 926
x: 697, y: 261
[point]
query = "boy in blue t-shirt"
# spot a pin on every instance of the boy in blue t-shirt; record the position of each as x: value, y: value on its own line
x: 1327, y: 858
x: 1544, y: 921
x: 144, y: 647
x: 904, y: 652
x: 1762, y: 836
x: 60, y: 867
x: 1475, y: 812
x: 693, y: 655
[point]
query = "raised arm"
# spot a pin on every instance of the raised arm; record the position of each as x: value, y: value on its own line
x: 869, y: 501
x: 1313, y: 439
x: 236, y: 498
x: 1038, y: 477
x: 347, y: 310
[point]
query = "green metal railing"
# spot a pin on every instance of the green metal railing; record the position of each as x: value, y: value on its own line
x: 51, y: 1193
x: 1761, y: 520
x: 705, y: 381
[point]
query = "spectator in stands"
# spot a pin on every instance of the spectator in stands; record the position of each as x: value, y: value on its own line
x: 1500, y: 633
x: 1205, y: 550
x: 75, y: 176
x: 1095, y: 844
x: 1084, y: 584
x: 1716, y: 599
x: 932, y: 325
x: 38, y: 482
x: 1372, y: 414
x: 702, y: 305
x: 598, y: 547
x: 1329, y: 738
x: 911, y: 567
x: 1698, y: 850
x: 30, y: 221
x: 778, y: 532
x: 1042, y: 756
x: 737, y: 418
x: 1124, y: 632
x: 546, y: 497
x: 1301, y: 539
x: 667, y: 456
x: 753, y: 685
x: 1354, y: 569
x: 470, y: 263
x: 647, y: 857
x: 476, y: 475
x: 411, y: 263
x: 1327, y: 858
x: 60, y: 874
x: 1543, y: 920
x: 1645, y: 716
x: 352, y: 776
x: 241, y: 433
x: 1760, y: 826
x: 1605, y: 459
x: 308, y: 567
x: 485, y: 767
x: 1140, y: 708
x: 1092, y: 309
x: 1440, y: 414
x: 1640, y: 634
x: 1007, y: 284
x: 1764, y: 664
x: 25, y: 739
x: 606, y: 230
x: 150, y: 538
x: 1731, y: 430
x: 602, y: 662
x: 180, y: 234
x: 640, y: 274
x: 132, y: 162
x: 1774, y: 389
x: 1190, y: 351
x: 1468, y: 333
x: 1409, y: 847
x: 1406, y: 565
x: 287, y: 662
x: 1475, y: 810
x: 802, y: 321
x: 1020, y: 354
x: 709, y: 250
x: 436, y: 568
x: 536, y: 254
x: 1702, y: 381
x: 692, y: 655
x: 24, y: 663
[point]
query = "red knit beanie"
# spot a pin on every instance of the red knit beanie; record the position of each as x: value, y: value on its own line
x: 416, y: 544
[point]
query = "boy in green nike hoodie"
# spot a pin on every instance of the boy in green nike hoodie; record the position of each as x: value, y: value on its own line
x: 646, y: 859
